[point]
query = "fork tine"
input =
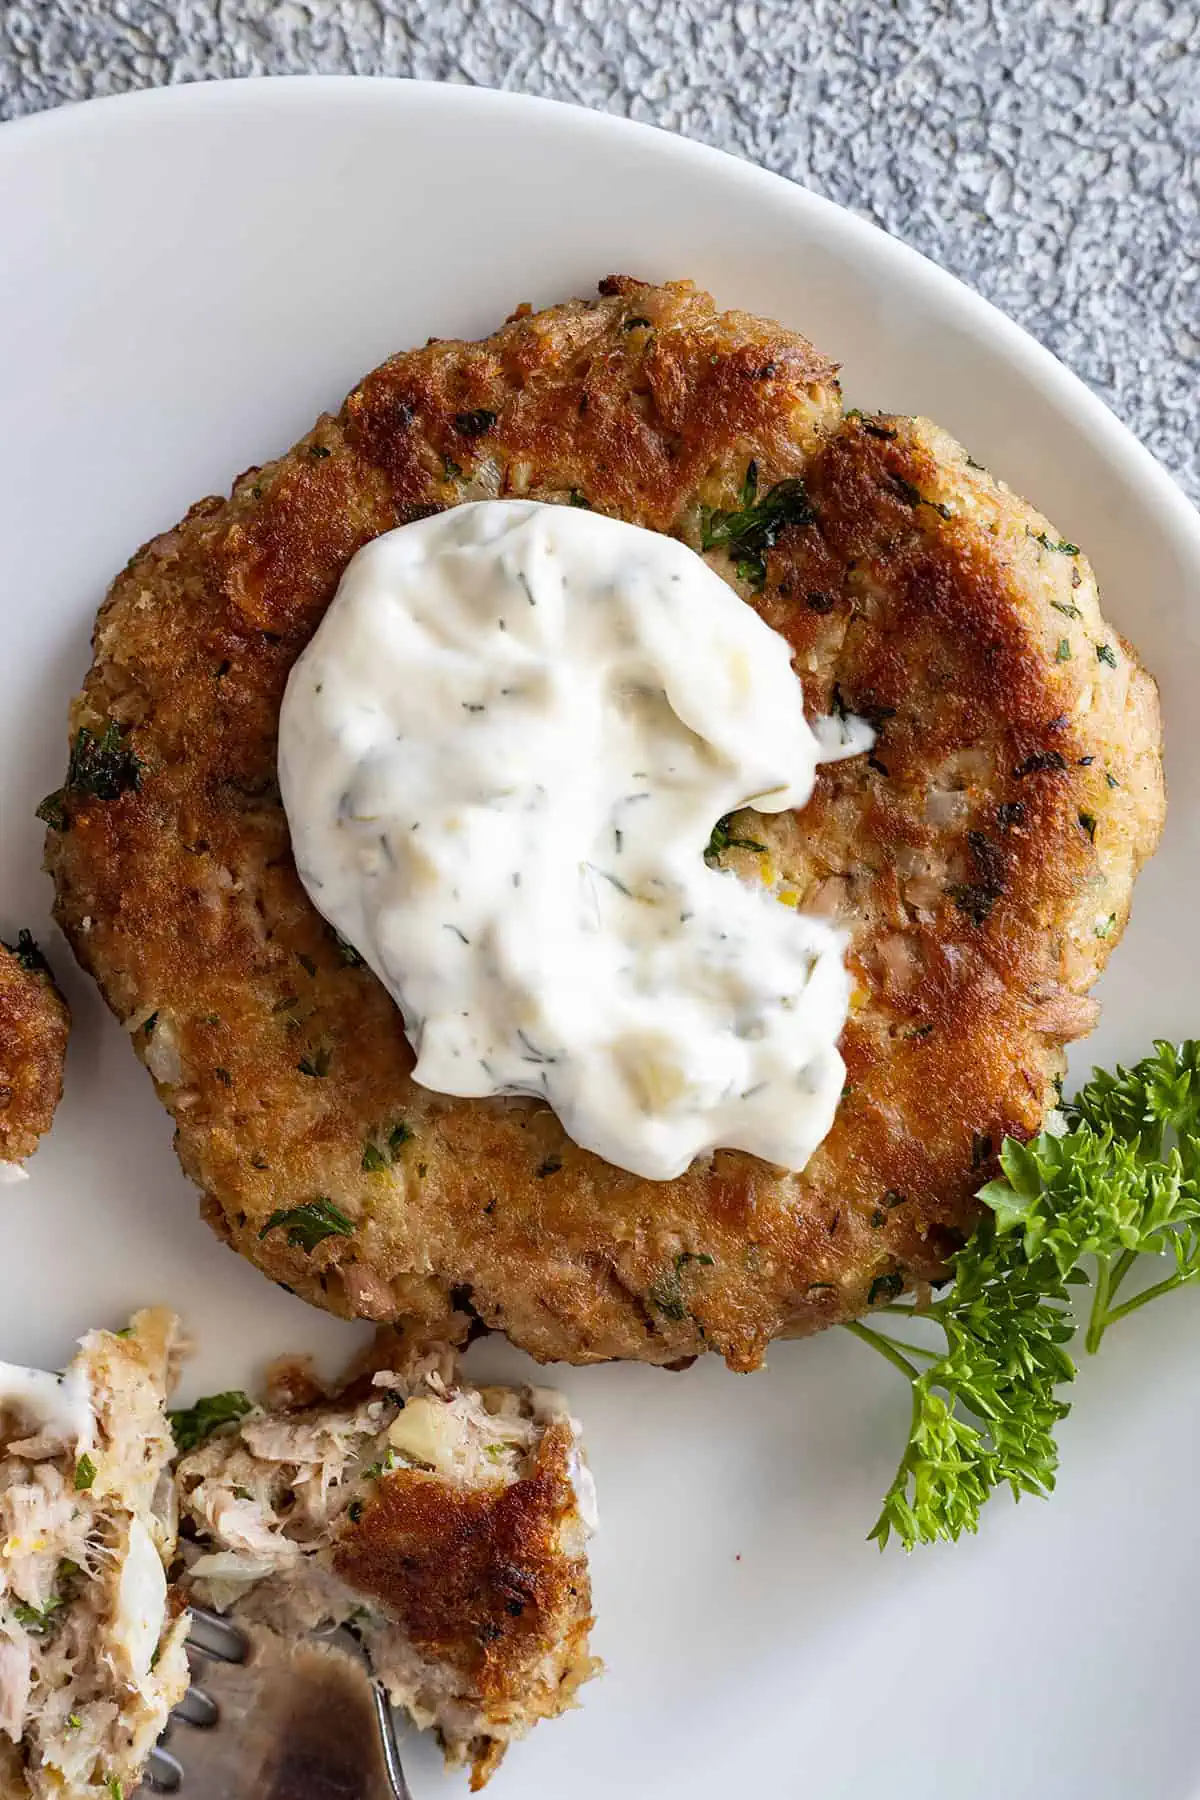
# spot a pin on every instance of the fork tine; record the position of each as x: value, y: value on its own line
x: 219, y: 1623
x: 164, y: 1775
x: 386, y: 1720
x: 197, y: 1708
x: 214, y: 1636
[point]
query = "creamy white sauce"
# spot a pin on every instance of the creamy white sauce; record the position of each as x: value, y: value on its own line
x: 549, y: 1404
x: 11, y: 1172
x: 55, y: 1405
x: 141, y: 1601
x: 584, y: 1484
x: 502, y: 757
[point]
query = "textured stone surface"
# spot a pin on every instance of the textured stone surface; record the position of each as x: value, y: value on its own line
x: 1046, y: 151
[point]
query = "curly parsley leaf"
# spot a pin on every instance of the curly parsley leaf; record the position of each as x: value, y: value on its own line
x: 1124, y: 1183
x: 753, y: 527
x: 1120, y: 1184
x: 310, y: 1224
x: 1141, y: 1105
x: 193, y: 1425
x: 984, y: 1411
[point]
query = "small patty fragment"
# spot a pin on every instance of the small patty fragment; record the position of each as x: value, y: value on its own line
x: 448, y: 1522
x: 34, y: 1023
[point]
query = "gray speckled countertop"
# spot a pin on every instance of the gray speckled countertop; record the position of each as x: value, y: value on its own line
x: 1046, y: 151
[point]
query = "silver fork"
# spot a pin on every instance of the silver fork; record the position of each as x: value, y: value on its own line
x: 268, y: 1720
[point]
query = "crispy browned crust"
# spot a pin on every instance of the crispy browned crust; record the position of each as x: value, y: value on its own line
x: 926, y: 594
x: 482, y: 1583
x: 34, y: 1024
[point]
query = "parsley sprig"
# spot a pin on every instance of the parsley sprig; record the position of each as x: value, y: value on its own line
x: 1084, y: 1205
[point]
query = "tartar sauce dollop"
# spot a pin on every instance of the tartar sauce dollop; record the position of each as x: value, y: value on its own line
x: 502, y: 757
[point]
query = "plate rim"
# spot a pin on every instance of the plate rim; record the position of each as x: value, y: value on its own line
x: 1156, y: 486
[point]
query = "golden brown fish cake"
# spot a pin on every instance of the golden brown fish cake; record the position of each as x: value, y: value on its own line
x: 982, y: 858
x: 34, y: 1024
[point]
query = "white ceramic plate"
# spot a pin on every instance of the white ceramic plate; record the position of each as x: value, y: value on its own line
x: 188, y: 278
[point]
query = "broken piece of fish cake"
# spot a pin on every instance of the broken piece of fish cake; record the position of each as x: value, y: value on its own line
x: 448, y: 1522
x: 34, y: 1024
x: 91, y: 1639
